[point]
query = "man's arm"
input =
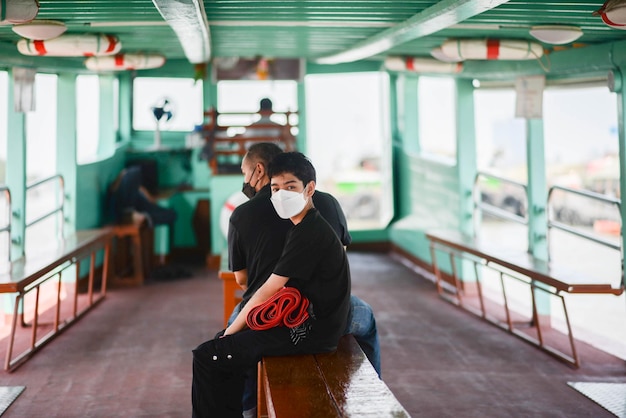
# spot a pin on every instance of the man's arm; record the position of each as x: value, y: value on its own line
x: 241, y: 277
x: 269, y: 288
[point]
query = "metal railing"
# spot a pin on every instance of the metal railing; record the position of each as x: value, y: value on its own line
x: 59, y: 209
x: 493, y: 209
x: 6, y: 229
x: 552, y: 223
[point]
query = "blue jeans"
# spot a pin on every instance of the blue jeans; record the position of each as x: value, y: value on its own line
x: 361, y: 324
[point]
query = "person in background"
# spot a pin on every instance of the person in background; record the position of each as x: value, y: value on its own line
x: 256, y: 238
x: 313, y: 264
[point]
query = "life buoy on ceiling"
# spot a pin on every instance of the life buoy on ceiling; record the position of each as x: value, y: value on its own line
x: 613, y: 13
x: 422, y: 65
x: 18, y: 11
x: 125, y: 62
x: 491, y: 49
x: 231, y: 203
x: 83, y: 45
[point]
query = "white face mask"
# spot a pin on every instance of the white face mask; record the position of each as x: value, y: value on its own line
x: 288, y: 203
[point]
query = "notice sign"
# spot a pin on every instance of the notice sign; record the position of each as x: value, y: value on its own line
x: 529, y: 97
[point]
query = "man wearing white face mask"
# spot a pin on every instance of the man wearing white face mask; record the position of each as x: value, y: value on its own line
x: 314, y: 263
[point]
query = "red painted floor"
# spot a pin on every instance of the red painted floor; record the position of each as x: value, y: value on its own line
x: 131, y: 356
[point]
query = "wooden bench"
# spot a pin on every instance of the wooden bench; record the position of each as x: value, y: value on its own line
x: 537, y: 274
x: 230, y: 293
x: 28, y: 274
x: 338, y: 384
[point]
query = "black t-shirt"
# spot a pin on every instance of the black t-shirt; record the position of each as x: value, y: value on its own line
x: 317, y: 265
x: 256, y: 238
x: 256, y: 235
x: 330, y: 209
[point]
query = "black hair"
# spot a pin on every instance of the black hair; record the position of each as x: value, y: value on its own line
x: 265, y: 104
x: 263, y: 152
x: 294, y: 163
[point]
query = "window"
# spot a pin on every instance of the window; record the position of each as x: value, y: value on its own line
x: 41, y: 151
x: 437, y: 116
x: 244, y: 96
x: 501, y: 156
x: 184, y: 97
x: 4, y: 99
x: 348, y: 142
x: 87, y: 118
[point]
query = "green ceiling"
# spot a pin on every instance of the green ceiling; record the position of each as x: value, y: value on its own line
x: 341, y: 31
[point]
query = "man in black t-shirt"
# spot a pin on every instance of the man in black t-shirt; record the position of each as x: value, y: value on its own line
x: 314, y: 262
x: 256, y: 237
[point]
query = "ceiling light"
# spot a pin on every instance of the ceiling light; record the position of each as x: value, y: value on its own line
x: 40, y: 30
x: 556, y: 34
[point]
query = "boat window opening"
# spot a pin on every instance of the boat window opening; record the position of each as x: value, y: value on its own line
x: 347, y: 139
x: 41, y: 129
x: 437, y: 117
x: 87, y: 118
x: 4, y: 102
x: 5, y: 218
x: 184, y: 101
x: 501, y: 155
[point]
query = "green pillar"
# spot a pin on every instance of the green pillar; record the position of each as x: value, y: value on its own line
x: 125, y: 106
x: 537, y: 189
x: 619, y: 80
x: 16, y: 171
x: 301, y: 139
x: 465, y: 153
x: 66, y: 145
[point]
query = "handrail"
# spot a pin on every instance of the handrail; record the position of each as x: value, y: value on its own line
x: 580, y: 233
x: 7, y: 228
x: 494, y: 210
x: 58, y: 209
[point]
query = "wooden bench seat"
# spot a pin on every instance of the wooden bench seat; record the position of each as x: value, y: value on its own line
x: 338, y: 384
x: 540, y: 275
x: 29, y: 273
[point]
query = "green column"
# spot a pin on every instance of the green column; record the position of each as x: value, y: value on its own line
x: 537, y: 189
x: 66, y: 145
x: 465, y: 153
x: 125, y: 106
x: 301, y: 139
x: 619, y: 80
x: 16, y: 172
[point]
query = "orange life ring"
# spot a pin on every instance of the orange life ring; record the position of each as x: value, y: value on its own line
x: 491, y: 49
x: 125, y: 62
x: 18, y: 11
x: 422, y: 65
x: 84, y: 45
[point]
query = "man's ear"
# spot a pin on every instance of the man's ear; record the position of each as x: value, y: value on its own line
x: 260, y: 169
x: 311, y: 189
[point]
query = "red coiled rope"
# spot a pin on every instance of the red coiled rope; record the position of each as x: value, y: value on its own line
x: 286, y: 307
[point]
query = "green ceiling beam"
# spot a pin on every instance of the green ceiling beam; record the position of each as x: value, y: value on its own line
x: 433, y: 19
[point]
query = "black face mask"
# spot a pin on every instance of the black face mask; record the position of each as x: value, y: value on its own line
x: 248, y: 190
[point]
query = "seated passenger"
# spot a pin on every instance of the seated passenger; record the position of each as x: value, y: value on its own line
x: 314, y: 263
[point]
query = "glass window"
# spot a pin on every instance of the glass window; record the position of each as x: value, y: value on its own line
x: 87, y: 118
x: 244, y: 96
x: 437, y: 116
x: 501, y: 157
x: 184, y: 103
x: 348, y: 142
x: 4, y: 100
x: 41, y: 151
x: 41, y: 128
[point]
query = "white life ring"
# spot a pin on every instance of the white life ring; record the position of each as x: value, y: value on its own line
x: 422, y: 65
x: 18, y: 11
x: 125, y: 62
x: 613, y: 13
x: 84, y: 45
x: 491, y: 49
x: 231, y: 203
